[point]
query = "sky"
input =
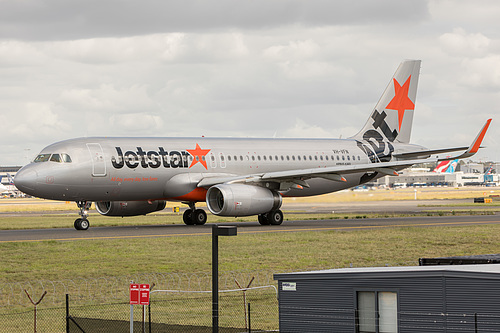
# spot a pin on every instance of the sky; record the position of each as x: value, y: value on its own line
x: 255, y: 68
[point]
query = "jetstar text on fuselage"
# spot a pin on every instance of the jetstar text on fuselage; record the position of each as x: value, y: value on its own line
x: 156, y: 158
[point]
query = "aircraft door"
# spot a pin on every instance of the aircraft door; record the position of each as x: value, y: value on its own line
x: 97, y: 157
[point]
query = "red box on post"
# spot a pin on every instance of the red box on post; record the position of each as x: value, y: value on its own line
x: 134, y: 293
x: 144, y: 294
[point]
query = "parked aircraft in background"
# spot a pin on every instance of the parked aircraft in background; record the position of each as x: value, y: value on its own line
x: 3, y: 188
x: 235, y: 176
x: 446, y: 166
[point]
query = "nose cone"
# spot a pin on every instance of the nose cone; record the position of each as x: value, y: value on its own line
x: 25, y: 180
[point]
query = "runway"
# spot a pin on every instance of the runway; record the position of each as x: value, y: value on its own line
x: 127, y: 232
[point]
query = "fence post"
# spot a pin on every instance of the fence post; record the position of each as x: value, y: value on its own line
x: 35, y: 304
x: 475, y: 322
x: 67, y: 313
x: 249, y: 319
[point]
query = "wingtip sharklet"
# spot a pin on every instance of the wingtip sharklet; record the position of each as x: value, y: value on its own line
x: 474, y: 147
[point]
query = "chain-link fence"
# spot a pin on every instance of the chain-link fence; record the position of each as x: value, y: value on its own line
x: 167, y: 312
x: 181, y: 313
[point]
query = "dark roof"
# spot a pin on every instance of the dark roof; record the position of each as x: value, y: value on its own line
x: 9, y: 168
x: 462, y: 260
x: 480, y: 271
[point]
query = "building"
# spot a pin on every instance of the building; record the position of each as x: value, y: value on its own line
x: 4, y: 179
x: 453, y: 298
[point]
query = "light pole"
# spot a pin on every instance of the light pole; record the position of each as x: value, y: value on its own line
x: 216, y: 232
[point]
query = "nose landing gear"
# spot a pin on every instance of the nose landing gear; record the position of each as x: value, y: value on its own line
x: 82, y: 223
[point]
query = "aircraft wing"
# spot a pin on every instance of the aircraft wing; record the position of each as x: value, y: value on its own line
x: 299, y: 176
x: 468, y: 151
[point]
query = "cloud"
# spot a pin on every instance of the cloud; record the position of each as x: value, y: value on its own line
x: 226, y: 68
x: 66, y: 20
x: 459, y: 43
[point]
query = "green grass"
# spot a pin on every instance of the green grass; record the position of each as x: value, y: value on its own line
x: 59, y: 260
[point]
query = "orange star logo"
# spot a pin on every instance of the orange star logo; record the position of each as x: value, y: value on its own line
x: 401, y: 101
x: 198, y: 156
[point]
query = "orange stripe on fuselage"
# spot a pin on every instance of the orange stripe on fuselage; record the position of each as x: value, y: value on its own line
x: 197, y: 195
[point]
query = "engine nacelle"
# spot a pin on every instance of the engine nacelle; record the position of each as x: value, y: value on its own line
x: 241, y: 200
x: 128, y: 208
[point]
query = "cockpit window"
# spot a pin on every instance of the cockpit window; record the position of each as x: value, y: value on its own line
x: 66, y: 158
x: 56, y: 158
x: 59, y: 158
x: 42, y: 158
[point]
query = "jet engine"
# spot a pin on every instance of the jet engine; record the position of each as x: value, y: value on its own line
x: 241, y: 200
x: 128, y: 208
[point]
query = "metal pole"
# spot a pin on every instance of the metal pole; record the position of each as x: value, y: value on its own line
x: 143, y: 319
x: 475, y: 322
x: 249, y: 321
x: 67, y: 313
x: 215, y: 279
x: 149, y: 314
x: 131, y: 318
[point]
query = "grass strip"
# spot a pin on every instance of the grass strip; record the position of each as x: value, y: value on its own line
x: 58, y: 260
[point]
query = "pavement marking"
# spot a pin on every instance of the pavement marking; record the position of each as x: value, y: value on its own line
x: 254, y: 232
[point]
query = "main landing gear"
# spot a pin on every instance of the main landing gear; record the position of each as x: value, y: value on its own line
x: 194, y: 216
x: 274, y: 217
x: 82, y: 223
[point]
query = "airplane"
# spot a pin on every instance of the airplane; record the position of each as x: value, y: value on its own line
x: 3, y: 188
x: 446, y: 167
x: 130, y: 176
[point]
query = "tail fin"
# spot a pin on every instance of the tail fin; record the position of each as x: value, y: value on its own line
x: 392, y: 117
x: 11, y: 180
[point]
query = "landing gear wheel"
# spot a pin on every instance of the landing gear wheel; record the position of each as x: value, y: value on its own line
x: 199, y: 217
x: 275, y: 217
x: 187, y: 217
x: 82, y: 224
x: 263, y: 219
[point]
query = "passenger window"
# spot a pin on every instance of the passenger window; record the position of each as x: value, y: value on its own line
x: 264, y: 157
x: 42, y: 158
x: 66, y: 158
x: 56, y: 158
x: 348, y: 158
x: 321, y: 157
